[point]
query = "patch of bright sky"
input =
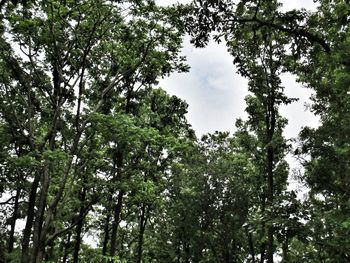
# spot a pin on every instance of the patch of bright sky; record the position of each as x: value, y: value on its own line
x: 215, y: 92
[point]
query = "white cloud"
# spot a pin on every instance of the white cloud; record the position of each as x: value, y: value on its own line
x: 215, y: 92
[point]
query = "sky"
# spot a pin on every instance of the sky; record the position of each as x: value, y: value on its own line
x: 215, y: 92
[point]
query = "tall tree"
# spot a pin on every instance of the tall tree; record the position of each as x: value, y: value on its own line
x: 327, y: 168
x: 62, y: 63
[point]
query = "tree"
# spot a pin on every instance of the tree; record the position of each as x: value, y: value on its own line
x: 326, y: 171
x: 258, y: 52
x: 62, y: 63
x: 227, y: 19
x: 206, y: 204
x: 312, y: 45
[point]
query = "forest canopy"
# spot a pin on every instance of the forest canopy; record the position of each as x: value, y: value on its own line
x: 99, y: 164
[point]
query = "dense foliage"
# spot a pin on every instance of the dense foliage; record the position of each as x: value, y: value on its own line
x: 98, y: 164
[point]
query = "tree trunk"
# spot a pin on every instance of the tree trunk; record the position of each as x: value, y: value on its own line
x: 106, y: 236
x: 143, y: 222
x: 117, y: 212
x: 285, y: 247
x: 187, y: 252
x: 263, y: 227
x: 38, y: 238
x: 270, y: 248
x: 270, y: 182
x: 66, y: 248
x: 79, y: 226
x: 262, y: 252
x: 30, y: 219
x: 270, y: 231
x: 13, y: 221
x: 118, y: 207
x: 251, y: 245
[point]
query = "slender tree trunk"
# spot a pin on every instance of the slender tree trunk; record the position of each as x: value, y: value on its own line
x: 106, y: 234
x: 263, y: 227
x: 262, y: 252
x: 66, y: 248
x: 77, y: 241
x: 251, y: 245
x: 143, y: 221
x: 117, y: 213
x: 285, y: 247
x: 38, y: 238
x: 270, y: 231
x: 13, y: 221
x: 106, y: 228
x: 187, y: 252
x: 119, y: 205
x: 79, y: 226
x: 270, y: 249
x: 270, y: 182
x: 30, y: 219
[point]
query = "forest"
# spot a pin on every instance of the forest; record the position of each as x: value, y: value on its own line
x: 99, y: 164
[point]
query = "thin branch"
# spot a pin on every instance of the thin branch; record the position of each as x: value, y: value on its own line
x: 58, y: 233
x: 7, y: 201
x: 293, y: 31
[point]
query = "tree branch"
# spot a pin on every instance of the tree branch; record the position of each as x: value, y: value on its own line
x: 313, y: 38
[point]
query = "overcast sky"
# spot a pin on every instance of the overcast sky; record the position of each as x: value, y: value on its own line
x: 215, y: 93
